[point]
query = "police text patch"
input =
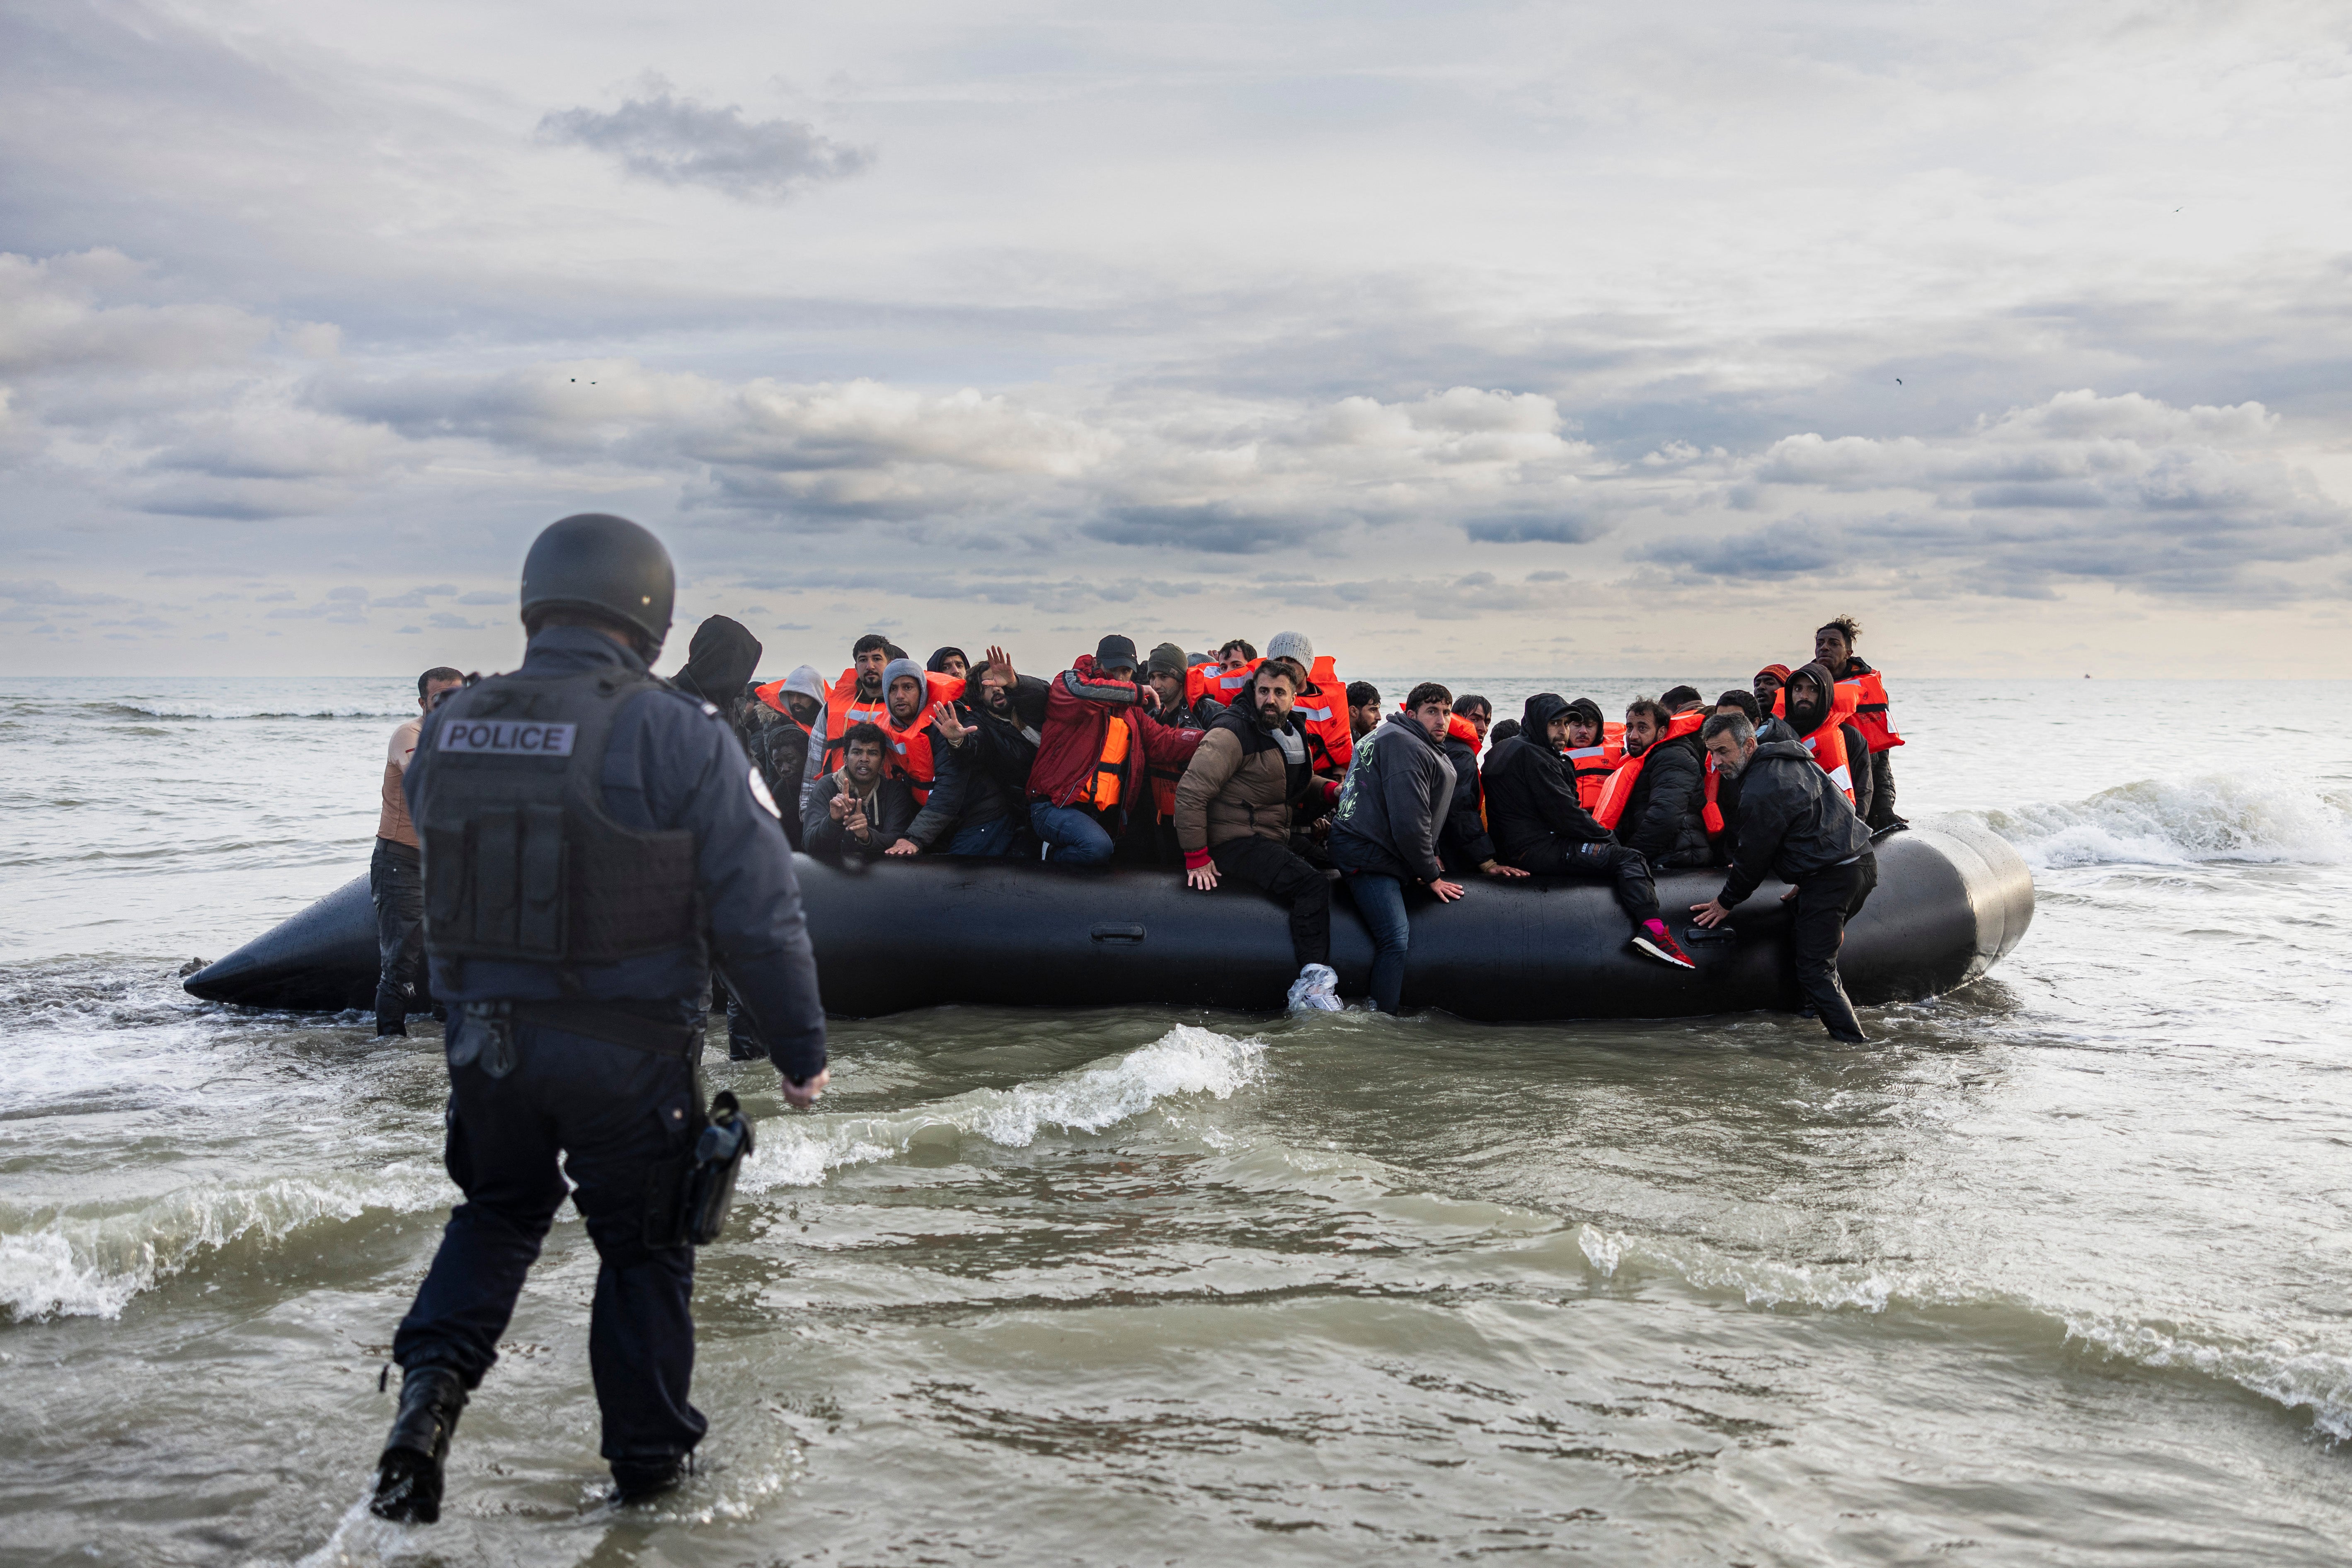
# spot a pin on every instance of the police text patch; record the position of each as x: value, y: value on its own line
x: 507, y: 737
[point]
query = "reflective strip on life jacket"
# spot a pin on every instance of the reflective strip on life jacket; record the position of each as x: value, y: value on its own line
x: 1226, y: 685
x: 1870, y: 715
x: 1322, y: 714
x: 1102, y: 788
x: 1828, y: 747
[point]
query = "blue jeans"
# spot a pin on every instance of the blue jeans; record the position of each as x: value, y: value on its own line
x: 1078, y: 839
x: 1380, y: 900
x: 983, y: 840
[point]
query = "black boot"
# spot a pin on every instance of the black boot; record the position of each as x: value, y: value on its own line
x: 636, y: 1483
x: 409, y: 1476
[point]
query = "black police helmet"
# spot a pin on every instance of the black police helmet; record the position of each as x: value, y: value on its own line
x: 593, y: 561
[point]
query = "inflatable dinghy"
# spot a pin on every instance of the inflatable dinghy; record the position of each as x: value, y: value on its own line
x: 899, y: 934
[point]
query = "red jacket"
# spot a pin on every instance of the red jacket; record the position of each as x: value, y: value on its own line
x: 1080, y: 707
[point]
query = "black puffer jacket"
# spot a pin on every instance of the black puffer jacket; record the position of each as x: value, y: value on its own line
x: 1793, y: 821
x: 1531, y: 789
x: 1463, y: 844
x: 1662, y: 818
x: 999, y: 752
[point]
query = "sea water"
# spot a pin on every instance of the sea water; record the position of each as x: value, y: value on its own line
x: 2055, y: 1273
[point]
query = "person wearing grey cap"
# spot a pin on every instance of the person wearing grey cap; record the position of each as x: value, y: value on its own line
x: 1322, y: 713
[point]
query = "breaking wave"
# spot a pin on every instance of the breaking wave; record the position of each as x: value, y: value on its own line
x: 1185, y: 1060
x: 2182, y: 823
x: 92, y: 1267
x: 2292, y: 1376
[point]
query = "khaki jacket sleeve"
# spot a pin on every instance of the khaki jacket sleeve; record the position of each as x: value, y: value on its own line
x: 1212, y: 767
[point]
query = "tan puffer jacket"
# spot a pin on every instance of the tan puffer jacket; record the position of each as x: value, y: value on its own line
x: 1226, y: 796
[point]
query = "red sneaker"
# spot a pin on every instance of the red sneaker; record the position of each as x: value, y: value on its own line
x: 1656, y: 939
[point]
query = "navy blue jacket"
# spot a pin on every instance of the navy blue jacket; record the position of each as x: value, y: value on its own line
x: 673, y: 763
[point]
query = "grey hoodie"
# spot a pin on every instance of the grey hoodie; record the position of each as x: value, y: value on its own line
x: 809, y: 683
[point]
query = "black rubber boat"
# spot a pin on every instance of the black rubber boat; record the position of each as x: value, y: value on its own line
x: 917, y: 933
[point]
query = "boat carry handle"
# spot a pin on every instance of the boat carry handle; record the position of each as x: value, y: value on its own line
x: 1125, y: 934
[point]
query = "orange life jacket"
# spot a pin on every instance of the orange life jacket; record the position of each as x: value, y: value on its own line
x: 1322, y: 714
x: 1101, y: 790
x: 773, y: 694
x: 1870, y: 714
x: 1828, y: 746
x: 1215, y: 680
x: 1711, y: 813
x: 842, y: 710
x: 1593, y: 765
x: 911, y: 748
x: 1619, y: 790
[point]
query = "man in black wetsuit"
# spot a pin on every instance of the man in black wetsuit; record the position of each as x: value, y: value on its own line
x: 1797, y: 825
x: 593, y: 838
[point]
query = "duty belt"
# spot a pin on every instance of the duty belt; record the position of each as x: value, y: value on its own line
x: 595, y: 1020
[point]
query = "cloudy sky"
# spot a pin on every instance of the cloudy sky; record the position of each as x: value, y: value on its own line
x: 1591, y: 339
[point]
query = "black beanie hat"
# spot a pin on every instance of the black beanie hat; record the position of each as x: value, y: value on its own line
x: 1115, y: 649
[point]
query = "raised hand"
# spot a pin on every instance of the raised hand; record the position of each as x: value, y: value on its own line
x: 1000, y: 659
x: 951, y: 728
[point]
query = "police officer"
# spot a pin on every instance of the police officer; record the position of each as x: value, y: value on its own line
x: 593, y: 841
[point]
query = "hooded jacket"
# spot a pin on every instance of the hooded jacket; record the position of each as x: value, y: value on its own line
x: 788, y: 738
x: 719, y: 663
x: 1242, y: 784
x: 1661, y: 819
x: 1464, y: 843
x: 1804, y: 722
x: 1080, y: 709
x: 1793, y: 821
x: 1394, y: 801
x: 1531, y: 795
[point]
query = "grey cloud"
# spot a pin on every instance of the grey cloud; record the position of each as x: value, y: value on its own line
x: 1562, y: 528
x: 1213, y: 529
x: 679, y: 142
x: 443, y: 621
x: 485, y: 596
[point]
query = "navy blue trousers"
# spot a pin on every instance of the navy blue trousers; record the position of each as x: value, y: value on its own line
x: 619, y: 1122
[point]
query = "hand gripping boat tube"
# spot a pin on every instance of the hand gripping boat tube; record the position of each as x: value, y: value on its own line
x: 899, y: 935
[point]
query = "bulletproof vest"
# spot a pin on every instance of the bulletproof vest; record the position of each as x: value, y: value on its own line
x: 521, y: 863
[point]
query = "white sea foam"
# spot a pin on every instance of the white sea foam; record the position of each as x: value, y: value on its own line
x: 91, y: 1267
x: 2298, y: 1377
x: 2183, y: 822
x: 1185, y: 1060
